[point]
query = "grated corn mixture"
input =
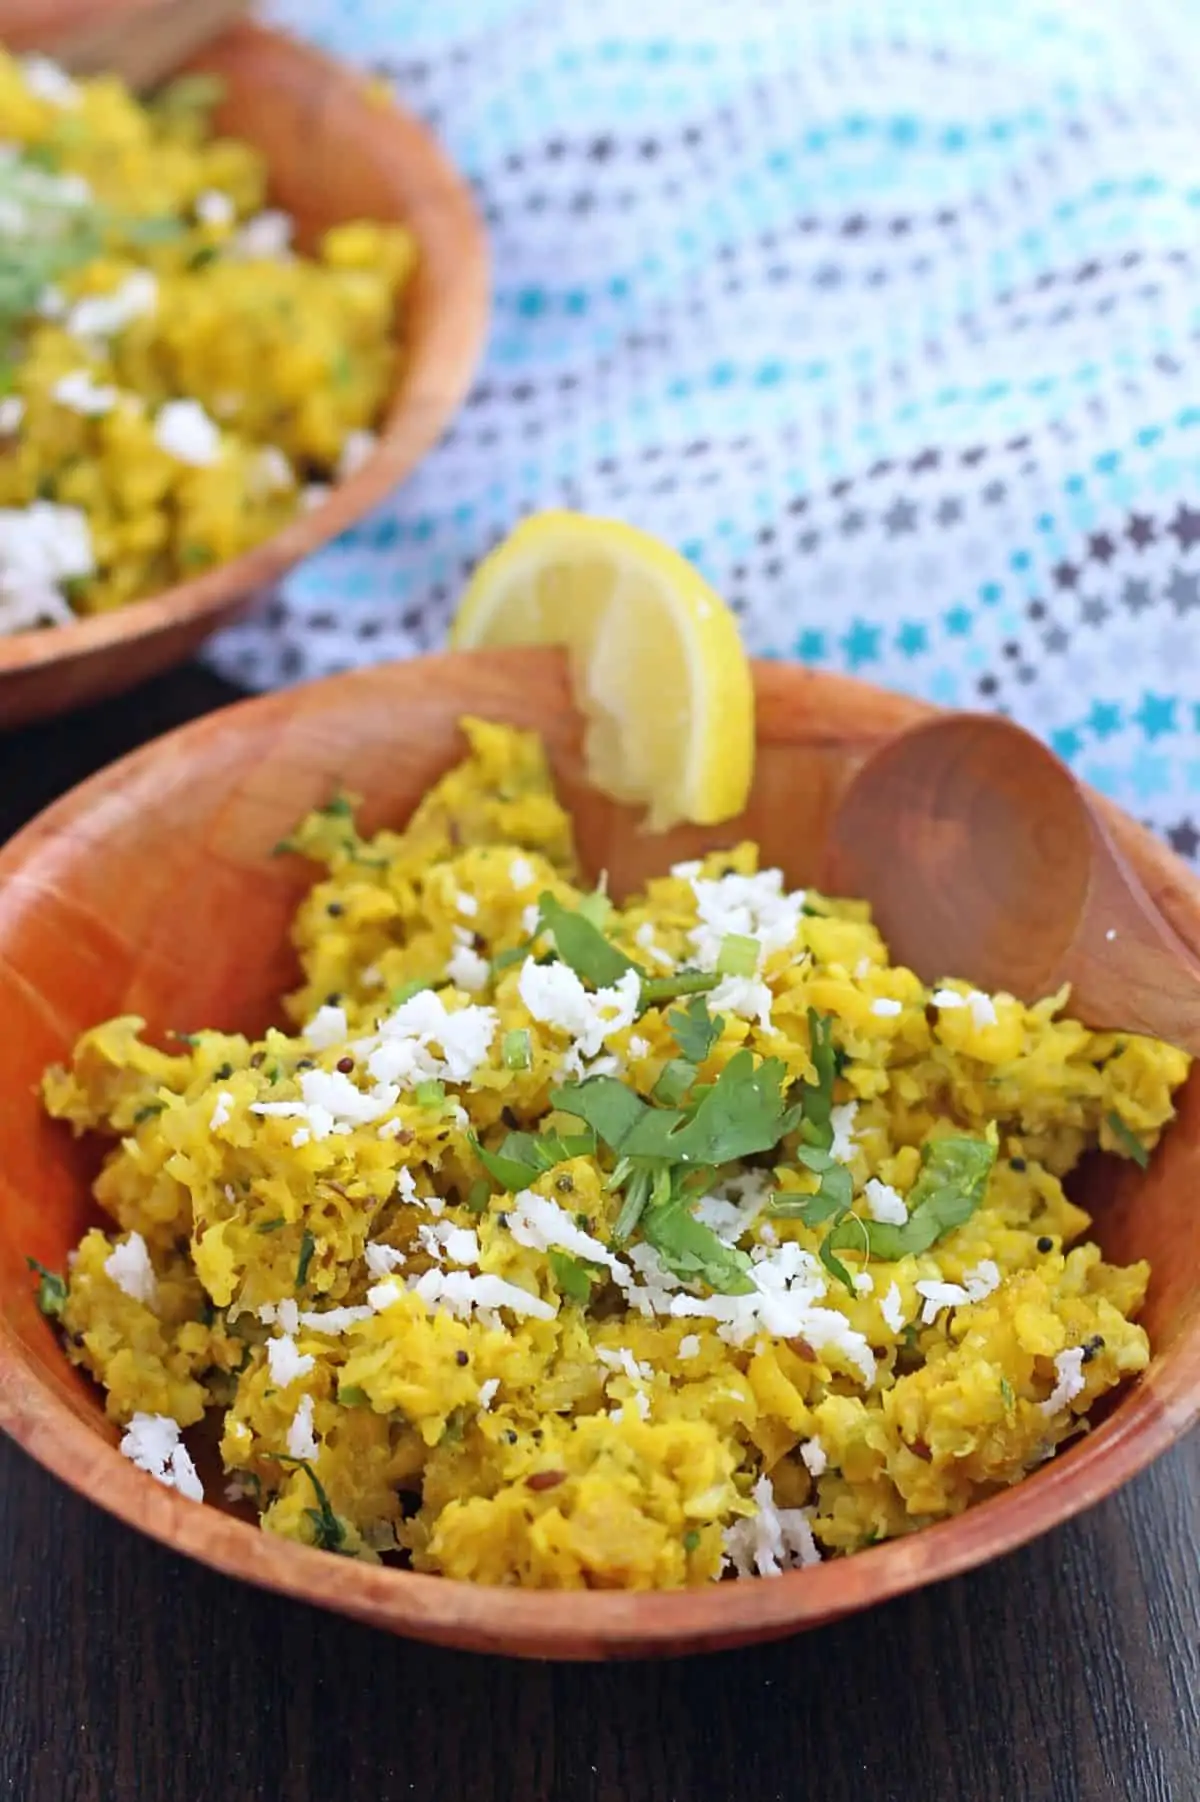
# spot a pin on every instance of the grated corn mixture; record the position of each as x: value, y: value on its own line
x: 569, y: 1244
x: 176, y: 382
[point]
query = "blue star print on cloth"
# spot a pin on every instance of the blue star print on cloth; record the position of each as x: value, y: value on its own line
x: 884, y: 311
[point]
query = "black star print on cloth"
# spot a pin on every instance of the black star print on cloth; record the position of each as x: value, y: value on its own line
x: 1183, y: 590
x: 1185, y: 527
x: 902, y: 447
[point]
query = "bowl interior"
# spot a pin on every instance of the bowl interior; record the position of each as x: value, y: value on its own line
x: 333, y: 154
x: 152, y: 891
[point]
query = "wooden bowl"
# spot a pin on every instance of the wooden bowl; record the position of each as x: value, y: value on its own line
x: 333, y: 153
x: 151, y: 890
x: 144, y: 40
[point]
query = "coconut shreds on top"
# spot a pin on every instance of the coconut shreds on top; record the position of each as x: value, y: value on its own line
x: 459, y: 1292
x: 152, y: 1442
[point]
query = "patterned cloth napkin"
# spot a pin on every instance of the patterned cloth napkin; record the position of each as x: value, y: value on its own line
x: 884, y: 311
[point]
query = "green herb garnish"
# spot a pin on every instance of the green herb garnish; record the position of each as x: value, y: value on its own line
x: 738, y: 955
x: 818, y: 1095
x: 51, y: 1290
x: 57, y: 228
x: 952, y: 1183
x: 351, y: 1396
x: 416, y: 985
x: 516, y: 1050
x: 160, y: 228
x: 676, y: 1079
x: 329, y: 1533
x: 657, y: 989
x: 504, y: 960
x: 573, y: 1278
x: 149, y: 1111
x: 581, y: 944
x: 692, y: 1250
x: 478, y: 1196
x: 691, y: 1540
x: 665, y: 1154
x: 524, y: 1157
x: 597, y: 908
x: 1128, y: 1140
x: 190, y: 94
x: 743, y: 1112
x: 695, y: 1030
x: 271, y: 1226
x: 307, y: 1247
x: 44, y: 157
x: 430, y: 1093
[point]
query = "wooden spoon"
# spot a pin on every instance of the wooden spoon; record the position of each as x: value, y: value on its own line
x: 143, y: 41
x: 983, y: 858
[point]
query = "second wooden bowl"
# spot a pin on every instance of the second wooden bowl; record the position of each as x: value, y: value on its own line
x: 334, y: 153
x: 151, y: 890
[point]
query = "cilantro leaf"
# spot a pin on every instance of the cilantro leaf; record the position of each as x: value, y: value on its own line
x: 478, y: 1196
x: 695, y: 1030
x: 952, y: 1184
x: 573, y: 1278
x: 637, y: 1194
x: 329, y: 1533
x: 524, y: 1157
x: 51, y: 1290
x: 817, y: 1098
x: 692, y: 1250
x: 676, y: 1079
x: 1128, y: 1140
x: 611, y: 1110
x: 582, y: 945
x: 515, y: 954
x: 741, y: 1113
x: 512, y: 1173
x: 833, y: 1263
x: 834, y: 1196
x: 597, y: 908
x: 414, y: 986
x: 307, y: 1247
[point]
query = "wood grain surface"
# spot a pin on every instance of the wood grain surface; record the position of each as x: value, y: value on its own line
x: 1067, y: 1673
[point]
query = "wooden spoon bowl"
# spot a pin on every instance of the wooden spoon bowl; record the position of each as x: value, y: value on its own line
x: 151, y: 890
x: 333, y: 153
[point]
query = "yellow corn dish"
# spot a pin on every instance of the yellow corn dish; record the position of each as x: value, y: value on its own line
x: 569, y: 1244
x: 175, y: 381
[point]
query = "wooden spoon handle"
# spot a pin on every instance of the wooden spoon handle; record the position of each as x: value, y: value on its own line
x: 1127, y: 967
x: 146, y: 47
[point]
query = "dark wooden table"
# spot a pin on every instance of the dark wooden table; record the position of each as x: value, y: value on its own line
x: 1068, y: 1673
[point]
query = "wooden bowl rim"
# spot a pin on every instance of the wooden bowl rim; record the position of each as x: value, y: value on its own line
x: 1152, y: 1414
x: 411, y: 428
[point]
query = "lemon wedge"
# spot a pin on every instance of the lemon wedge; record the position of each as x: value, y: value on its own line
x: 656, y: 659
